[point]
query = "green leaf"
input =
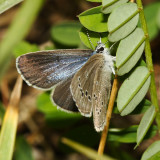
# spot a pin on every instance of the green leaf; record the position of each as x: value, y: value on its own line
x: 94, y: 20
x: 90, y: 153
x: 152, y: 152
x: 6, y: 4
x: 133, y: 90
x: 109, y: 5
x: 22, y: 150
x: 55, y: 117
x: 94, y: 37
x: 151, y: 12
x: 158, y: 18
x: 133, y: 45
x: 24, y: 47
x: 151, y: 132
x: 123, y: 137
x: 122, y: 21
x: 128, y: 135
x: 2, y: 111
x: 145, y: 124
x: 94, y: 0
x: 66, y: 33
x: 155, y: 156
x: 142, y: 63
x: 142, y: 107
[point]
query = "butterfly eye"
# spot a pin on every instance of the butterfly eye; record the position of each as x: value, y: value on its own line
x: 101, y: 49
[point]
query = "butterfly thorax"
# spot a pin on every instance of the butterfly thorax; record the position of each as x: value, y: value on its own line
x: 108, y: 59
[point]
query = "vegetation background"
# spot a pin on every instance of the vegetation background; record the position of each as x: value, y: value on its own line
x: 41, y: 126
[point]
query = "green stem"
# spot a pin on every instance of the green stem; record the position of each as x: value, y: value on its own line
x: 149, y: 62
x: 109, y: 4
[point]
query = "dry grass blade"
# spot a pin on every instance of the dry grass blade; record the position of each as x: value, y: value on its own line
x: 9, y: 125
x: 88, y: 152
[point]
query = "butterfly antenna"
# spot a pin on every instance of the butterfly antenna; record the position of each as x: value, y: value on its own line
x: 100, y: 38
x: 106, y: 42
x: 112, y: 45
x: 90, y: 39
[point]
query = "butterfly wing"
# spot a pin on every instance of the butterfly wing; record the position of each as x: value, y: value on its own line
x: 46, y: 68
x: 82, y: 86
x: 62, y: 97
x: 101, y: 94
x: 90, y: 87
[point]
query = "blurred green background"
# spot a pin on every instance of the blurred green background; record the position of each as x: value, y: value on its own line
x: 53, y: 24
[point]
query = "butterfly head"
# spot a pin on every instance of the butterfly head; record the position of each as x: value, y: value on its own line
x: 101, y: 48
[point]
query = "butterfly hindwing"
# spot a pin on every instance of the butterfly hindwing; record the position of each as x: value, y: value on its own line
x: 95, y: 78
x: 100, y: 94
x: 82, y: 86
x: 62, y: 97
x: 44, y: 69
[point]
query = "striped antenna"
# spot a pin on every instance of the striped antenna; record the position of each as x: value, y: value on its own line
x: 90, y: 39
x: 100, y: 38
x: 106, y: 42
x: 112, y: 45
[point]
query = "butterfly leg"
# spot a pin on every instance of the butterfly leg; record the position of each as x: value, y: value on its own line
x: 114, y: 58
x: 112, y: 67
x: 113, y: 70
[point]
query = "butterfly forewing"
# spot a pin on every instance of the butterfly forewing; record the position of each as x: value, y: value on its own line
x: 62, y: 97
x: 46, y: 68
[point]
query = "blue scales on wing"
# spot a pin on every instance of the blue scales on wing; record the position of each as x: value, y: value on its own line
x: 44, y: 69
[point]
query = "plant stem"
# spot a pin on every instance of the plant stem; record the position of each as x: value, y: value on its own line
x: 149, y: 62
x: 108, y: 116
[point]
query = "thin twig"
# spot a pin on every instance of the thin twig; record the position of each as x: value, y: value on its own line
x: 108, y: 116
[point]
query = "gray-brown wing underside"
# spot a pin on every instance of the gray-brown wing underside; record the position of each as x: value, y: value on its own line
x: 62, y: 97
x: 101, y: 94
x: 90, y: 88
x: 46, y: 68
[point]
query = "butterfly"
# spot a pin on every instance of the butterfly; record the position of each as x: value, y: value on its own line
x: 80, y: 78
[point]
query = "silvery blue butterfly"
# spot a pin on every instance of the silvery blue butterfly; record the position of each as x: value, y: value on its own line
x: 80, y: 78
